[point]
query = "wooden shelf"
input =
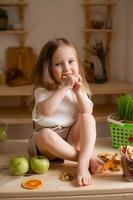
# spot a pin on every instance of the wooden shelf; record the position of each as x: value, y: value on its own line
x: 98, y: 4
x: 16, y: 91
x: 22, y: 115
x: 12, y: 114
x: 111, y: 87
x: 13, y: 4
x: 101, y: 112
x: 20, y: 5
x: 15, y: 115
x: 98, y: 30
x: 13, y: 32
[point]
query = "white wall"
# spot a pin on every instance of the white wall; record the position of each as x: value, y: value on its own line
x: 129, y: 42
x: 54, y: 18
x: 118, y: 41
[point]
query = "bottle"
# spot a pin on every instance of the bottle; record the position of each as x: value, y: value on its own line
x: 2, y: 75
x: 109, y: 23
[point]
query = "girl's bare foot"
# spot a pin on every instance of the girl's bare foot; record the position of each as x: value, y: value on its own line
x: 83, y: 176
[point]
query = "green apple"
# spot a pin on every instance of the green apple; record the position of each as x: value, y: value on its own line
x: 39, y: 164
x: 2, y: 134
x: 19, y: 165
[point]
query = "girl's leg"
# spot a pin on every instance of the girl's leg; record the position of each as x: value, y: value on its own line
x: 83, y: 135
x: 49, y: 143
x: 52, y: 145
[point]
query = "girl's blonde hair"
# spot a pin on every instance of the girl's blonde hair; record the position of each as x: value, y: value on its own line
x: 42, y: 73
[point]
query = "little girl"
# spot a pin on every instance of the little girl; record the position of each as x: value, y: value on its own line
x: 62, y: 110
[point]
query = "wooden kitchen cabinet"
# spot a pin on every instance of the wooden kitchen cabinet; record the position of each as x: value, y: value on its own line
x: 109, y: 90
x: 20, y: 114
x: 18, y: 31
x: 16, y: 114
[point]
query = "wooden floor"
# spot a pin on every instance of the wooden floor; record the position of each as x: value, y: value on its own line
x: 105, y: 186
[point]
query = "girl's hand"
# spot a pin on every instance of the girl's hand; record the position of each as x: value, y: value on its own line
x: 77, y: 86
x: 70, y: 80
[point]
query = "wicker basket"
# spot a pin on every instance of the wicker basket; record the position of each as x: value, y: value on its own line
x: 121, y: 133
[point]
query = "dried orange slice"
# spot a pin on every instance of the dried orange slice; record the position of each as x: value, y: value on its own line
x: 32, y: 184
x: 110, y: 163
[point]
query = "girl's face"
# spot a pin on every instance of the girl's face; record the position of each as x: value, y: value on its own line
x: 64, y: 62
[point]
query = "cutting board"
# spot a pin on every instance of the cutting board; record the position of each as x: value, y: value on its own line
x: 23, y: 59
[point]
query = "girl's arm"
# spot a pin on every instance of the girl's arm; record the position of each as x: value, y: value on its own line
x: 49, y: 105
x: 85, y: 106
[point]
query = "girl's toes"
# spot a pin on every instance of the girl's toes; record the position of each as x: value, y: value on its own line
x: 85, y: 181
x: 79, y: 181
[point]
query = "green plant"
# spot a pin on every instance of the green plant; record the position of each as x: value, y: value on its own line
x: 124, y: 105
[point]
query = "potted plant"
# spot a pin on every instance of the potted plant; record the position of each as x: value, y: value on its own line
x: 121, y: 122
x: 3, y: 19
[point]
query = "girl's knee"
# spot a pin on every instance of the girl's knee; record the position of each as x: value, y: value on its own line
x: 44, y: 136
x: 44, y: 142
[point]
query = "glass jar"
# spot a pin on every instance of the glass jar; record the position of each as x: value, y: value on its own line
x: 2, y: 74
x: 3, y: 135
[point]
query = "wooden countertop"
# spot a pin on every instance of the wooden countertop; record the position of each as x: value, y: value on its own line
x: 104, y: 184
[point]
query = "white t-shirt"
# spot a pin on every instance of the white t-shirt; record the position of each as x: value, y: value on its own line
x: 66, y: 113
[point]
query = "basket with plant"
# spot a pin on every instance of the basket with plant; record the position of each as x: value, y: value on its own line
x: 121, y: 122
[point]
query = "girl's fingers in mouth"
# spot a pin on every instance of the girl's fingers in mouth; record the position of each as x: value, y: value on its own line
x: 63, y: 77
